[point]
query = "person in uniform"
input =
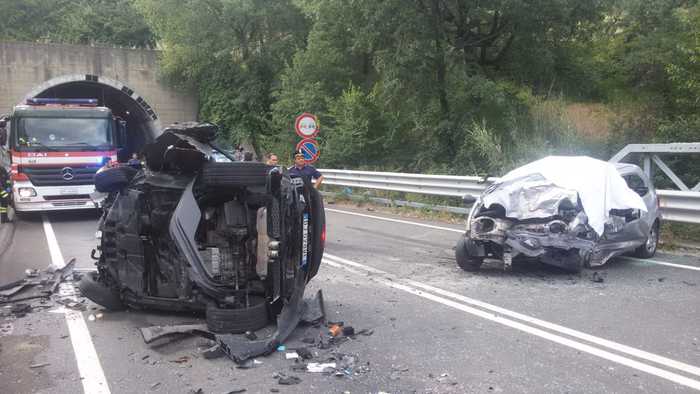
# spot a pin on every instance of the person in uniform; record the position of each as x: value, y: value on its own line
x: 303, y: 170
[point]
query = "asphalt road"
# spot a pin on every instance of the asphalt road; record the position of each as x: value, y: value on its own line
x: 435, y: 327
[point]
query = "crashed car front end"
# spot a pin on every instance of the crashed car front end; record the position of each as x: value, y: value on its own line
x: 552, y: 226
x: 564, y: 211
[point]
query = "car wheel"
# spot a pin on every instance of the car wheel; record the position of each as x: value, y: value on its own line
x: 648, y: 249
x: 318, y: 225
x: 100, y: 293
x: 465, y: 260
x: 240, y: 320
x: 239, y: 174
x: 114, y: 179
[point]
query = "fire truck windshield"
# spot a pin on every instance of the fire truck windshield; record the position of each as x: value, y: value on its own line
x: 69, y: 134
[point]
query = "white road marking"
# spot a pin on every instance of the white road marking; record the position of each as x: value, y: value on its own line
x: 394, y: 282
x: 91, y: 374
x: 396, y: 220
x: 689, y: 267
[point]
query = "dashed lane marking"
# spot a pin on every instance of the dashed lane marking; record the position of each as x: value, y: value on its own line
x: 91, y: 374
x: 496, y: 314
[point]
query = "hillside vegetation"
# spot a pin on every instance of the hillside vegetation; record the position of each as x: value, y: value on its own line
x: 442, y: 86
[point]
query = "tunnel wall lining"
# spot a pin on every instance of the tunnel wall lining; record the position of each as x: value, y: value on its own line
x: 153, y: 123
x: 28, y: 67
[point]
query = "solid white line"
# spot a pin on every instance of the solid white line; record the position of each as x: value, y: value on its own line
x: 687, y: 267
x: 394, y: 283
x: 57, y: 261
x: 396, y: 220
x: 91, y: 374
x: 542, y: 323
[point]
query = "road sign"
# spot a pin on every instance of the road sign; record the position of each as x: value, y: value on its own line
x: 309, y: 148
x: 306, y: 125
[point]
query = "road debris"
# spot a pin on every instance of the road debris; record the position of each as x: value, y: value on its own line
x: 291, y: 355
x: 40, y: 365
x: 287, y: 380
x: 181, y: 360
x: 321, y: 367
x: 597, y: 277
x: 305, y: 353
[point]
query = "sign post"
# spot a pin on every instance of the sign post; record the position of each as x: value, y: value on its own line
x: 306, y: 127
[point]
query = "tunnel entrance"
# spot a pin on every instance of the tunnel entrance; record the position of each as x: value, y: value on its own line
x: 141, y: 120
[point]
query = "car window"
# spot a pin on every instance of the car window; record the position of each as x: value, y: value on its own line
x: 637, y: 184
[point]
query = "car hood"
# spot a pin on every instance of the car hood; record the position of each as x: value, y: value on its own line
x: 537, y: 189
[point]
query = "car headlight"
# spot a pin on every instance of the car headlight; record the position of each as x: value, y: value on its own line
x: 25, y: 192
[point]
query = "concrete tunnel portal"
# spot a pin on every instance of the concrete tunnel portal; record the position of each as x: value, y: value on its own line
x: 142, y: 124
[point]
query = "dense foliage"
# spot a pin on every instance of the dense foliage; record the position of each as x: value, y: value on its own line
x: 448, y: 86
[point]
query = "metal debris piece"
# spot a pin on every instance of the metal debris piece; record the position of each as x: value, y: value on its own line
x: 154, y: 333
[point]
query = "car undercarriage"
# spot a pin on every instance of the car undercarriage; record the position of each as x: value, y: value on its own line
x: 234, y: 240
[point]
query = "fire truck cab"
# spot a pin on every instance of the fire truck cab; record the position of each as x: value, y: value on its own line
x: 50, y: 150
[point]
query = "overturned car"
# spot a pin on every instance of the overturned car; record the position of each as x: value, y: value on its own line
x: 235, y: 240
x: 570, y: 212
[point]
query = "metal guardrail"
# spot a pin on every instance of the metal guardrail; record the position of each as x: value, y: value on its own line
x: 677, y: 206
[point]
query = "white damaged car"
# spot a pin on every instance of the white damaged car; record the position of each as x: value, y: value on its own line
x: 567, y: 211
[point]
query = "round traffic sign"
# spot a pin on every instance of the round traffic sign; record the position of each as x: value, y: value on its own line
x: 306, y: 125
x: 309, y: 148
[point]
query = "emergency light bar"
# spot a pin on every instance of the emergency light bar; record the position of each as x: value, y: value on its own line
x: 63, y: 101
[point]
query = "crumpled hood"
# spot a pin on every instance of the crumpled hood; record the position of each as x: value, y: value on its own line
x: 535, y: 190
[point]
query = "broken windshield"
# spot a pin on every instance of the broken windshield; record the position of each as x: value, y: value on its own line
x: 73, y: 134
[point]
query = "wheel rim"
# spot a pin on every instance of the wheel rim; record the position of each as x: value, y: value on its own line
x: 651, y: 240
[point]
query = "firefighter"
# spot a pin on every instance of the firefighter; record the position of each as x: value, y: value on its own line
x: 5, y: 196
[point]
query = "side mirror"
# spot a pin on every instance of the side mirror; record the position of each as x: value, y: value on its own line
x: 468, y: 200
x: 121, y: 129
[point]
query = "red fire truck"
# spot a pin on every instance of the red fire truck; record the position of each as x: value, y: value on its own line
x: 50, y: 151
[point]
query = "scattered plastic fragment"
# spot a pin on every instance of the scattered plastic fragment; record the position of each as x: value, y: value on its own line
x: 348, y: 331
x: 291, y: 355
x: 597, y: 278
x: 281, y: 348
x: 320, y: 367
x: 305, y: 353
x: 335, y: 330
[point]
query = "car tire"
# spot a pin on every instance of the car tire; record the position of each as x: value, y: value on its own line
x: 239, y: 174
x: 648, y: 249
x: 318, y: 225
x: 466, y: 261
x: 237, y: 321
x: 114, y: 179
x: 100, y: 293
